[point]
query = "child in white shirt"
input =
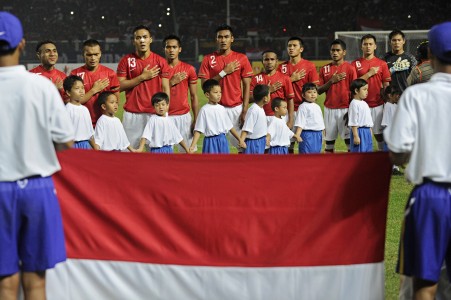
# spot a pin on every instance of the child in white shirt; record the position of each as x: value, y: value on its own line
x: 360, y: 119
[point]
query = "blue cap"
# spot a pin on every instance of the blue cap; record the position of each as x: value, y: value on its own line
x: 440, y: 41
x: 10, y: 30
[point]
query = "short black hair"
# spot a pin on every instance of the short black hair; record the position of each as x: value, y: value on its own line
x: 224, y: 27
x: 367, y: 36
x: 209, y: 84
x: 260, y: 91
x: 338, y: 42
x: 296, y: 38
x: 309, y: 86
x: 69, y: 82
x: 357, y: 84
x: 172, y: 37
x: 276, y: 102
x: 422, y: 51
x: 158, y: 97
x: 396, y: 32
x: 142, y: 27
x: 39, y: 45
x: 103, y: 96
x: 393, y: 90
x: 91, y: 43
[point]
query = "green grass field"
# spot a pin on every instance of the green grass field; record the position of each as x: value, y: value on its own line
x: 399, y: 191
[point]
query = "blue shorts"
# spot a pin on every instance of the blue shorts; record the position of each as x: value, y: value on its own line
x: 366, y: 140
x: 312, y: 141
x: 31, y: 228
x: 278, y: 150
x: 82, y: 145
x: 164, y: 149
x: 255, y: 146
x: 426, y: 232
x: 216, y: 144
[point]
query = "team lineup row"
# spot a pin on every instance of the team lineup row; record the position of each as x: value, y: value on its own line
x: 143, y: 73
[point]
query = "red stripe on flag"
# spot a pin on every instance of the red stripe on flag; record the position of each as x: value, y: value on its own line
x: 225, y: 210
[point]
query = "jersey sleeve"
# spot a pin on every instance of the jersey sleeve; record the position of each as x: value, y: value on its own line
x: 288, y: 86
x: 313, y: 74
x: 386, y: 76
x: 204, y: 70
x: 122, y: 67
x: 114, y: 81
x: 192, y: 76
x: 246, y: 68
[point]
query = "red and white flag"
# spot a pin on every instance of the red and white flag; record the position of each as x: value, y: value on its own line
x: 150, y: 226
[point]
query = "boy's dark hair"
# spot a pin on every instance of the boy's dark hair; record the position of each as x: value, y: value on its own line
x: 5, y: 49
x: 91, y: 43
x: 158, y: 97
x: 356, y: 85
x: 69, y: 82
x: 296, y: 38
x: 224, y: 27
x: 103, y: 96
x: 309, y: 86
x: 141, y: 27
x: 338, y: 42
x: 422, y: 51
x: 209, y: 84
x: 393, y: 90
x: 368, y: 36
x: 172, y: 37
x: 39, y: 45
x: 396, y: 32
x: 276, y: 102
x: 260, y: 91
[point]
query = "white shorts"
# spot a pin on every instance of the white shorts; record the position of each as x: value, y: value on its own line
x: 134, y: 124
x: 183, y: 124
x: 334, y: 123
x: 376, y: 115
x: 234, y: 114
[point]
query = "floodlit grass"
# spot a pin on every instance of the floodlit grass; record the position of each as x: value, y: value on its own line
x: 399, y: 191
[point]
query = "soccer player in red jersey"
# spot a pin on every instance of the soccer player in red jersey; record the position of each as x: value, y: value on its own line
x: 279, y: 85
x: 300, y: 71
x: 141, y: 75
x: 96, y: 78
x: 375, y: 72
x: 335, y: 79
x: 234, y: 72
x: 182, y: 78
x: 48, y: 57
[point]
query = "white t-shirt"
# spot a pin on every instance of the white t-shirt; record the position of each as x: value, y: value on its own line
x: 255, y: 122
x: 279, y: 132
x: 421, y: 126
x: 389, y: 112
x: 359, y: 114
x: 81, y: 119
x: 161, y: 131
x: 32, y: 115
x: 110, y: 134
x: 213, y: 120
x: 309, y: 117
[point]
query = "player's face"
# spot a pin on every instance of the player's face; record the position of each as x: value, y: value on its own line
x: 224, y: 39
x: 310, y: 95
x: 77, y: 91
x: 214, y: 96
x: 282, y: 110
x: 337, y: 53
x: 294, y: 48
x: 368, y: 47
x: 142, y: 40
x: 269, y: 60
x: 172, y: 49
x: 397, y: 43
x: 161, y: 108
x: 48, y: 55
x: 111, y: 105
x: 362, y: 93
x: 92, y: 56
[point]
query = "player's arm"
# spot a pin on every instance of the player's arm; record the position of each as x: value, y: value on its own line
x: 194, y: 103
x: 290, y: 122
x: 334, y: 79
x: 371, y: 72
x: 147, y: 74
x: 165, y: 86
x: 96, y: 88
x: 246, y: 95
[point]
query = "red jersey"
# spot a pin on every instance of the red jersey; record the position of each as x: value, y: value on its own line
x: 138, y: 98
x: 338, y: 95
x: 214, y: 63
x: 311, y: 75
x: 179, y: 93
x: 286, y: 92
x: 375, y: 82
x: 89, y: 77
x: 54, y: 75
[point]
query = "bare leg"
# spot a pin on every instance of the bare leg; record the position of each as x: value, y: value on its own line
x: 424, y: 290
x: 9, y: 286
x: 34, y: 285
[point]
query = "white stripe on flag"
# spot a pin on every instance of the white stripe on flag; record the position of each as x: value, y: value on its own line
x: 108, y: 280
